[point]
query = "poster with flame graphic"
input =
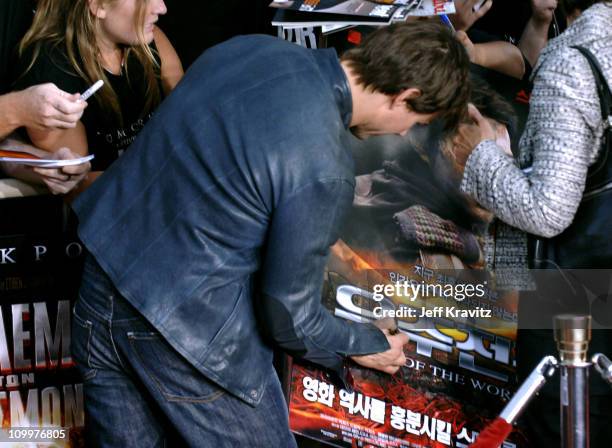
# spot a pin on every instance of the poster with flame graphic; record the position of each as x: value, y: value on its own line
x: 460, y: 369
x: 41, y: 392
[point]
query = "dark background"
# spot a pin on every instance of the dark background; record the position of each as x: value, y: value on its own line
x: 193, y: 26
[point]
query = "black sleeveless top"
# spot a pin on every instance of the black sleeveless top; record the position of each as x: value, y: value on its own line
x: 107, y: 135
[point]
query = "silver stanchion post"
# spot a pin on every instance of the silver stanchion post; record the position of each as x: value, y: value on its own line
x: 572, y: 334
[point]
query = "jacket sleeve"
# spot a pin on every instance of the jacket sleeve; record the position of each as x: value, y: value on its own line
x: 562, y: 137
x: 303, y: 228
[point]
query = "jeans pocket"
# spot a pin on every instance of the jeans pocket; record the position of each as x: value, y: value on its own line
x: 171, y: 374
x: 80, y: 345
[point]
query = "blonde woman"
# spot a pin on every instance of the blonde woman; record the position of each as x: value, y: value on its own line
x: 74, y: 43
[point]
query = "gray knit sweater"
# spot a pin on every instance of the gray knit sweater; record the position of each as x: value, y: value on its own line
x: 561, y: 140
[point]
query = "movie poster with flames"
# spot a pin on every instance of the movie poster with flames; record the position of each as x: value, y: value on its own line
x: 41, y: 394
x: 412, y: 257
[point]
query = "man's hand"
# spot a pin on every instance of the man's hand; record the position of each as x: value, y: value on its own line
x: 45, y: 106
x: 465, y: 16
x: 389, y: 361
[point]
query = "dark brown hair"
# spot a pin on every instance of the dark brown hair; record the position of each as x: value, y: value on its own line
x: 423, y: 55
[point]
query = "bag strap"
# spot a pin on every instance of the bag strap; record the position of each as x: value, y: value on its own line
x: 605, y: 102
x: 603, y: 89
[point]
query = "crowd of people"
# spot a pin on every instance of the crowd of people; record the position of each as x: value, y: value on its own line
x: 231, y: 181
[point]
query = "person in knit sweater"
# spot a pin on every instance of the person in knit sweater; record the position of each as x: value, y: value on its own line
x: 562, y: 140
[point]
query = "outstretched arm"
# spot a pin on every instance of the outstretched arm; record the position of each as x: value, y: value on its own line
x: 562, y: 134
x: 500, y: 56
x: 302, y: 229
x: 535, y: 34
x: 40, y: 107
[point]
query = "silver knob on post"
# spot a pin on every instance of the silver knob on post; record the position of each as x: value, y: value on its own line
x: 604, y: 367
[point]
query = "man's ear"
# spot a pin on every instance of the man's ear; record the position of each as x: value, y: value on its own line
x: 97, y: 9
x: 406, y: 94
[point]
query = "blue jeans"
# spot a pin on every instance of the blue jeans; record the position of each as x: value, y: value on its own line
x: 139, y: 392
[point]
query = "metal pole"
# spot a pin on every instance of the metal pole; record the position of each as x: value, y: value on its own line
x: 530, y: 387
x: 573, y: 334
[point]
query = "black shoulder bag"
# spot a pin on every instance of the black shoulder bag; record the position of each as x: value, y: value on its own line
x: 587, y: 242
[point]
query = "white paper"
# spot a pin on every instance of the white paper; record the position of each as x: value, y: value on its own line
x: 47, y: 163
